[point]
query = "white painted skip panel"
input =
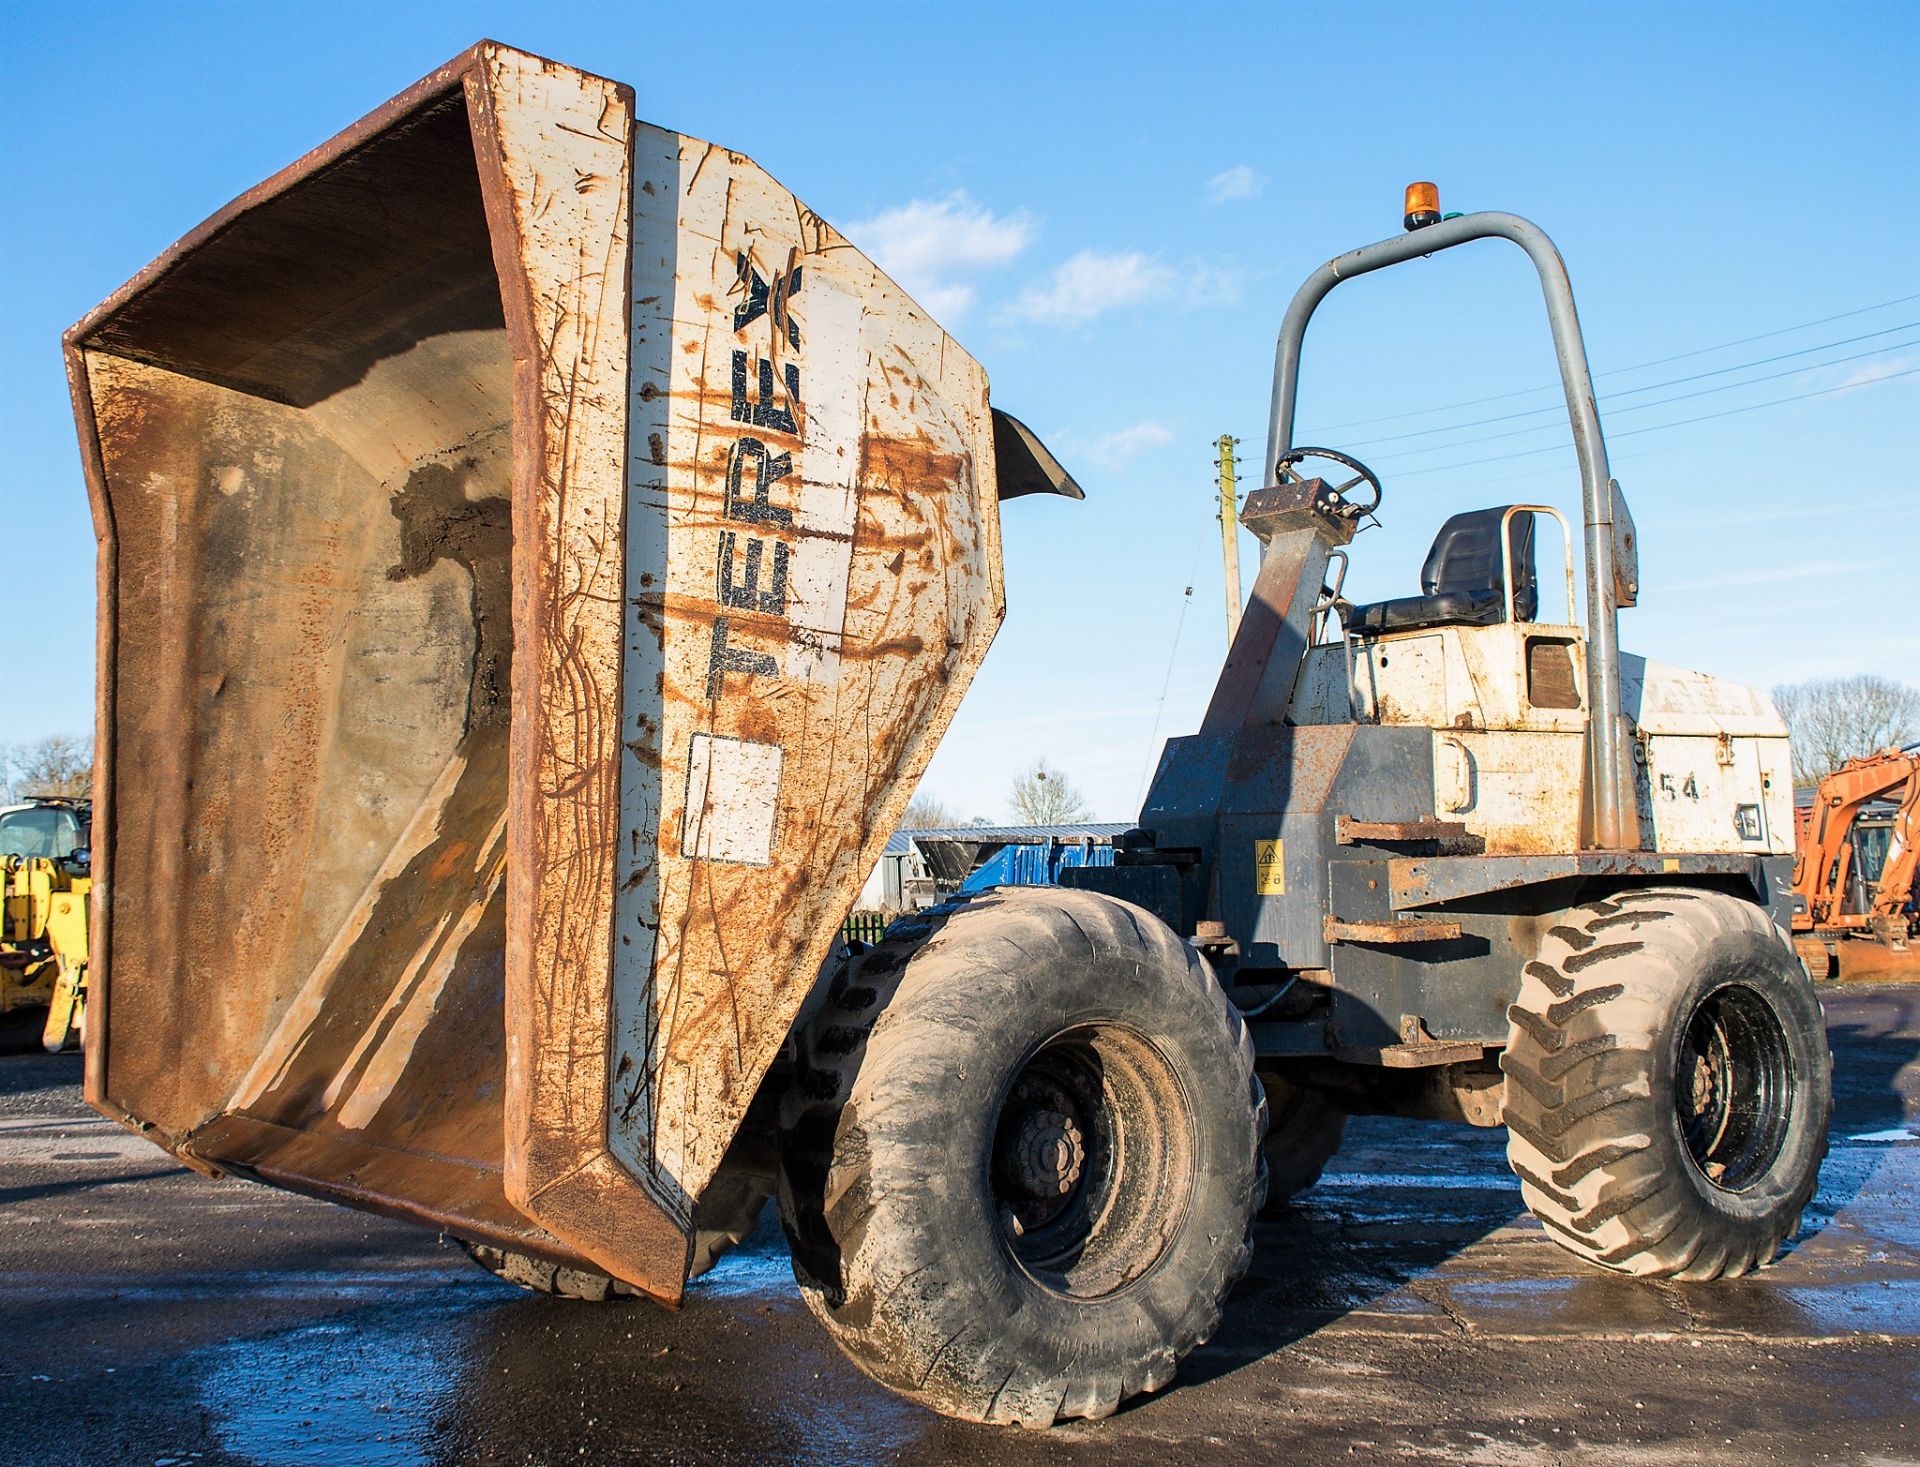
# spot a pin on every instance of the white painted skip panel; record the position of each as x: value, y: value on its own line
x: 813, y: 574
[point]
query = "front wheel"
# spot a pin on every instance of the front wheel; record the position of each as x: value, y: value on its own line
x: 1022, y: 1161
x: 1668, y: 1085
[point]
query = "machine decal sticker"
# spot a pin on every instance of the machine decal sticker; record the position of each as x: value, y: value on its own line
x: 1270, y: 867
x: 733, y: 790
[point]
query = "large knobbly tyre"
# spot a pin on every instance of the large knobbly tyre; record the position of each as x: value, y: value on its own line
x: 728, y: 1211
x: 541, y: 1276
x: 1304, y: 1130
x: 1668, y: 1084
x: 1021, y: 1156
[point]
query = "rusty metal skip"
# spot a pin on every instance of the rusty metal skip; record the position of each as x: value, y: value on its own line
x: 537, y: 557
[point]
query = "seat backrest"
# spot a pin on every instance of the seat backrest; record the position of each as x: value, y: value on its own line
x: 1466, y: 558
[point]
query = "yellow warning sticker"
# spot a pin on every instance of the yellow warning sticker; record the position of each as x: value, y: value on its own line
x: 1670, y: 863
x: 1270, y: 867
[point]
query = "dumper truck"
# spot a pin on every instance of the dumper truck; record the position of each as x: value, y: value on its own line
x: 538, y: 557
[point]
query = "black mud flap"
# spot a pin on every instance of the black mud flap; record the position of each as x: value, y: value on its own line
x: 1026, y: 467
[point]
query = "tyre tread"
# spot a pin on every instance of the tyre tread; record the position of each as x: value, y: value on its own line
x: 1580, y: 1109
x: 826, y: 1205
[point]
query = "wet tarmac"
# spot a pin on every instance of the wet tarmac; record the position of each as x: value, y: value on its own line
x: 1407, y: 1309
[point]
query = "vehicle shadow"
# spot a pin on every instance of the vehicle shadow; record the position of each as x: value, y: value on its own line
x: 1403, y: 1199
x: 44, y: 1191
x: 29, y: 1068
x: 1399, y: 1200
x: 20, y: 1031
x: 1874, y: 1033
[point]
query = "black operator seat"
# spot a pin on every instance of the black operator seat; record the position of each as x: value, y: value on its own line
x: 1462, y: 579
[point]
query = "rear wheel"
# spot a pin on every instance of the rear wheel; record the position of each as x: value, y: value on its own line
x: 1304, y: 1130
x: 1668, y: 1085
x: 543, y: 1276
x: 1021, y: 1161
x: 729, y: 1210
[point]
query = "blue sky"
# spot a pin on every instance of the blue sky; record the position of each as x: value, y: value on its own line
x: 1109, y: 206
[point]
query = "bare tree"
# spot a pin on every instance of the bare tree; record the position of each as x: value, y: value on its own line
x: 1833, y: 720
x: 59, y: 764
x: 1043, y: 796
x: 927, y: 813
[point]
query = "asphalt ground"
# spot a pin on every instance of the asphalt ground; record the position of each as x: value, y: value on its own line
x: 1406, y: 1309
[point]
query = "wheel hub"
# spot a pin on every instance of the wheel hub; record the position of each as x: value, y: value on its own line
x: 1091, y: 1161
x: 1702, y: 1086
x: 1041, y: 1145
x: 1049, y: 1154
x: 1733, y: 1087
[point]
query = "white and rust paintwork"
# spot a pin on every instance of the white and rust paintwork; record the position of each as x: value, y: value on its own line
x: 1712, y: 770
x: 610, y: 413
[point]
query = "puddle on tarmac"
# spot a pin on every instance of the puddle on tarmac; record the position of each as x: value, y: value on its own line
x: 1874, y: 1184
x: 1888, y: 1306
x: 362, y: 1389
x: 1491, y: 1181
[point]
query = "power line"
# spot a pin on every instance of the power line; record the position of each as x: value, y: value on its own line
x: 1153, y: 734
x: 1622, y: 371
x: 1657, y: 402
x: 1662, y: 427
x: 1648, y: 387
x: 1615, y: 459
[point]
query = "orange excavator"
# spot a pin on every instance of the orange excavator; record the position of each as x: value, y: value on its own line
x: 1851, y: 920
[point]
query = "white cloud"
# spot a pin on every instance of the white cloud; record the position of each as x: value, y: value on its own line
x: 1118, y: 449
x: 1092, y: 283
x: 1235, y: 183
x: 932, y: 247
x: 1872, y: 372
x: 1212, y: 285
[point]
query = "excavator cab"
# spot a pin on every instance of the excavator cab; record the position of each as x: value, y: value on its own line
x: 1856, y: 871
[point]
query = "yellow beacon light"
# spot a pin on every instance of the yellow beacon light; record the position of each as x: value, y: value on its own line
x: 1423, y: 205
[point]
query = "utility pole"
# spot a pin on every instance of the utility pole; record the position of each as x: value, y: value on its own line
x: 1230, y: 532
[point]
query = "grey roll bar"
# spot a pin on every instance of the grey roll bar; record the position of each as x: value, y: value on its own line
x: 1612, y: 813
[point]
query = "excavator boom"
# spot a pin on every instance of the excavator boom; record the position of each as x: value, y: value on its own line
x: 1824, y: 865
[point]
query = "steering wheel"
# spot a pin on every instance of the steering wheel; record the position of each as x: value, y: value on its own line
x: 1284, y: 469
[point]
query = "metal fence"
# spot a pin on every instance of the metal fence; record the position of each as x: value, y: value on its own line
x: 868, y: 927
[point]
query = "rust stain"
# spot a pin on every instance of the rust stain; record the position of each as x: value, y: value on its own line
x: 449, y: 861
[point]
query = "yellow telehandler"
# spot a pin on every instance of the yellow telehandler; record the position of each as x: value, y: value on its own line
x: 45, y: 879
